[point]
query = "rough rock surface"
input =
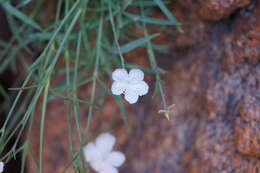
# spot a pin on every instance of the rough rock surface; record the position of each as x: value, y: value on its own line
x: 215, y: 10
x: 213, y: 79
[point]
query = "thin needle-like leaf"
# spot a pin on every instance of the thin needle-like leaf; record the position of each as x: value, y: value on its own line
x: 18, y: 14
x: 167, y: 12
x: 136, y: 43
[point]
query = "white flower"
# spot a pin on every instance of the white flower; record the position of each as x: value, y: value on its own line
x: 1, y: 167
x: 100, y: 156
x: 132, y: 84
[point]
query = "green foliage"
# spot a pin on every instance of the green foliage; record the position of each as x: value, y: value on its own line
x: 15, y: 12
x: 81, y: 42
x: 135, y: 44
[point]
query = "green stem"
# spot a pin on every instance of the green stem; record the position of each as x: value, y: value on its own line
x: 95, y: 75
x: 44, y: 105
x: 115, y: 35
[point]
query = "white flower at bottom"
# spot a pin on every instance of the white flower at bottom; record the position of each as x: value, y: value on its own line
x: 131, y: 85
x: 1, y: 167
x: 100, y: 156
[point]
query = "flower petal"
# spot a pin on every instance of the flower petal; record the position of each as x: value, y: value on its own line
x: 141, y: 88
x: 118, y: 87
x: 91, y: 152
x: 120, y: 74
x: 116, y: 158
x: 109, y: 169
x: 136, y: 75
x: 105, y: 143
x: 98, y: 165
x: 1, y: 167
x: 131, y: 96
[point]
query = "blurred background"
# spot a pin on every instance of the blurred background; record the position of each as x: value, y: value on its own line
x: 212, y: 75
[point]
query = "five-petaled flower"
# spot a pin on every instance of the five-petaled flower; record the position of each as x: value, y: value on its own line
x: 1, y: 167
x: 100, y: 156
x: 131, y: 85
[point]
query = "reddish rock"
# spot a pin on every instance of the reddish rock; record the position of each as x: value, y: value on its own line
x: 249, y: 109
x: 248, y: 139
x: 215, y: 10
x: 247, y: 126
